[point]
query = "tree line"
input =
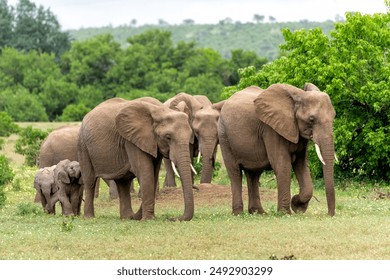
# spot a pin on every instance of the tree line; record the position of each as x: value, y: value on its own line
x: 39, y: 83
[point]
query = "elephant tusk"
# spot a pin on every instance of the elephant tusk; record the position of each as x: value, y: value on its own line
x: 318, y: 151
x: 193, y: 170
x: 174, y: 169
x: 336, y: 158
x: 198, y: 160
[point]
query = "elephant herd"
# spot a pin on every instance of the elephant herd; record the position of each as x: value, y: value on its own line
x: 257, y: 130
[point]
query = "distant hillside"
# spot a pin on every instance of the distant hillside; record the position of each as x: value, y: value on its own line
x: 262, y: 38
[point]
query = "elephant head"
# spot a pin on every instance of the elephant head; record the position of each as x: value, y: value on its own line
x: 159, y: 130
x: 295, y: 113
x: 204, y: 122
x: 68, y: 172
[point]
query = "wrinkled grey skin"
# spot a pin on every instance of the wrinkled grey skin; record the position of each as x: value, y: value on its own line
x: 46, y: 188
x: 203, y: 116
x: 270, y: 129
x: 61, y: 144
x: 67, y: 179
x: 121, y: 140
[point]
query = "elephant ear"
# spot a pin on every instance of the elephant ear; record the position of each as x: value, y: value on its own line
x: 182, y: 107
x: 310, y: 87
x: 276, y: 107
x: 63, y: 177
x: 218, y: 106
x: 193, y: 105
x: 135, y: 123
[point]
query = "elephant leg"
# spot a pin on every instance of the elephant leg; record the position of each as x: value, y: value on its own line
x: 37, y: 197
x: 147, y: 180
x: 169, y: 174
x: 97, y: 188
x: 300, y: 202
x: 67, y: 208
x: 283, y: 178
x: 235, y: 175
x: 125, y: 209
x: 113, y: 190
x: 254, y: 203
x: 75, y: 200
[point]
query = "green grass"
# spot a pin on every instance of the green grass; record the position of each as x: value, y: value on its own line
x: 359, y: 231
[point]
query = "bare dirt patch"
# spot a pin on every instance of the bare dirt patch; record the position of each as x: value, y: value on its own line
x: 209, y: 194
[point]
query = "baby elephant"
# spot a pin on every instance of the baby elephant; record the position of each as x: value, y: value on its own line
x: 45, y: 186
x: 67, y: 178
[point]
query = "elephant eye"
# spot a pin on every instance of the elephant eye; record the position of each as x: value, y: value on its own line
x: 168, y: 137
x: 311, y: 119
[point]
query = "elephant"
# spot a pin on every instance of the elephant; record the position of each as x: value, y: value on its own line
x: 269, y: 129
x: 121, y: 140
x: 203, y: 116
x: 45, y: 186
x: 69, y: 187
x: 61, y: 144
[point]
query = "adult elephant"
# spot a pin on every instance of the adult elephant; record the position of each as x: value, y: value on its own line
x: 120, y: 140
x: 203, y: 117
x: 270, y: 129
x: 61, y: 144
x: 69, y: 187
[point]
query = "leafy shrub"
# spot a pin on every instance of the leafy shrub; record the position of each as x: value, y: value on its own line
x: 6, y: 173
x: 7, y: 126
x: 28, y: 208
x: 29, y: 144
x: 6, y: 176
x: 74, y: 112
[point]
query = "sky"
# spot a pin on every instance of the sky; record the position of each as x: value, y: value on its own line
x: 75, y: 14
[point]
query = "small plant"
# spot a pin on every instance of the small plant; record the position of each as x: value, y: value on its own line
x: 67, y: 224
x: 28, y: 208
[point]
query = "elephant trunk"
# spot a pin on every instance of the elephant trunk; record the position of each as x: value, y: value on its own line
x: 327, y: 150
x: 207, y: 149
x: 47, y: 198
x: 184, y: 166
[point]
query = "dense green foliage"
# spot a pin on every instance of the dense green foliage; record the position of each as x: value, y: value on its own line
x: 28, y: 144
x: 28, y: 27
x: 7, y: 126
x: 263, y: 38
x: 6, y: 176
x: 352, y: 66
x: 38, y: 87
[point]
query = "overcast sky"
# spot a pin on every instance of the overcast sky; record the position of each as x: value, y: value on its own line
x: 74, y: 14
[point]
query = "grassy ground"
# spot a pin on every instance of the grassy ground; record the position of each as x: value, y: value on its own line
x: 360, y: 229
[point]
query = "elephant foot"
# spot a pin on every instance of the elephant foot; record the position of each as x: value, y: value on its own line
x: 256, y: 210
x: 137, y: 216
x: 297, y: 205
x: 238, y: 211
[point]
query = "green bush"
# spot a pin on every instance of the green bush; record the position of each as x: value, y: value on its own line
x: 28, y: 208
x: 7, y: 126
x: 29, y: 144
x: 6, y: 176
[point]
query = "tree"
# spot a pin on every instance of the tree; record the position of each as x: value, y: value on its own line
x: 352, y: 66
x: 38, y: 29
x: 90, y: 61
x: 6, y: 21
x: 258, y: 18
